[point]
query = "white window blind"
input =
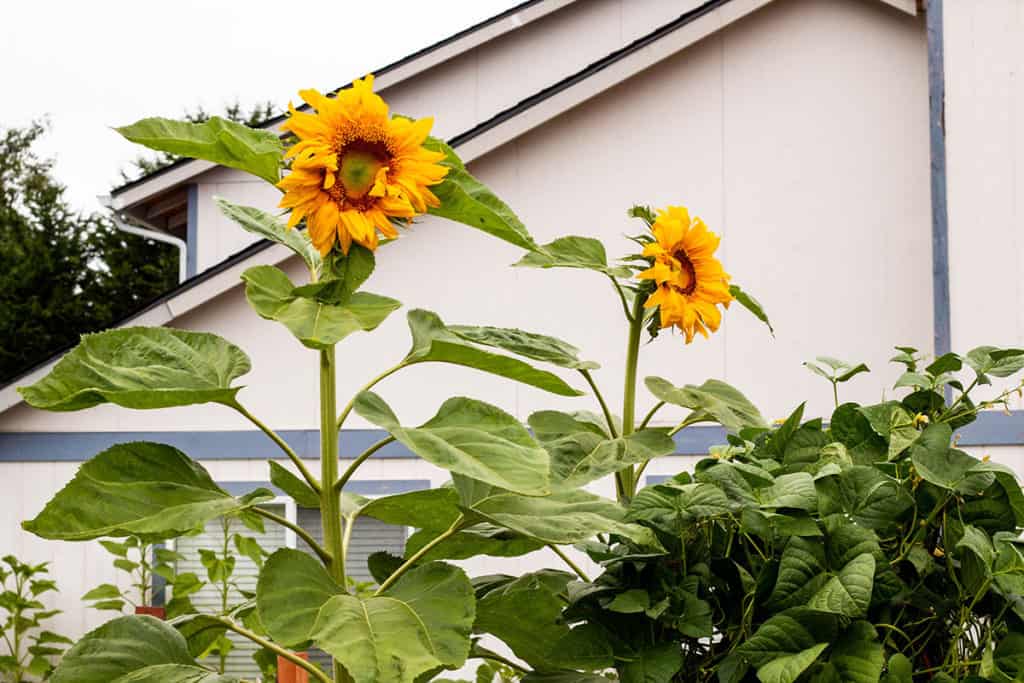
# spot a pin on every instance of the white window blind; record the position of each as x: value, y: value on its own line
x: 207, y: 600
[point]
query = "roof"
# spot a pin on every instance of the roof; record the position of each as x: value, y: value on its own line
x: 442, y: 50
x: 707, y: 18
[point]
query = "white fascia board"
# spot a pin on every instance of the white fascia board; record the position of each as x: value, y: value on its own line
x: 609, y: 77
x: 189, y: 170
x: 908, y: 6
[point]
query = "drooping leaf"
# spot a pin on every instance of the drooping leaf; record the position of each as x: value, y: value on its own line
x: 466, y: 200
x: 269, y: 227
x: 420, y: 623
x: 670, y: 507
x: 316, y: 324
x: 175, y: 673
x: 794, y: 491
x: 581, y: 453
x: 748, y: 302
x: 573, y: 252
x: 298, y: 489
x: 947, y: 467
x: 526, y: 615
x: 713, y: 401
x: 891, y: 421
x: 292, y: 588
x: 433, y: 341
x: 141, y: 367
x: 562, y: 518
x: 801, y: 573
x: 218, y: 140
x: 343, y: 275
x: 432, y: 509
x: 470, y: 438
x: 787, y: 643
x: 119, y: 647
x: 656, y: 664
x: 526, y: 344
x: 848, y: 593
x: 137, y: 489
x: 481, y: 539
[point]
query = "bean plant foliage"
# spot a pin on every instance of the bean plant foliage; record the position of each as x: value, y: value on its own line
x: 863, y: 548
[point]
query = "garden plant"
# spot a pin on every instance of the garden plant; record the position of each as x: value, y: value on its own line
x: 852, y: 551
x: 29, y: 650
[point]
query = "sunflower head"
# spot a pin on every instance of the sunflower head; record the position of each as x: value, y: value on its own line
x: 356, y: 170
x: 689, y: 281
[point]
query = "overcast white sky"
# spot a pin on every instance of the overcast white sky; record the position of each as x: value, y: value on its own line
x: 92, y: 65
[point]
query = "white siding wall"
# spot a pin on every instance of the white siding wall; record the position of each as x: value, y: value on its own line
x: 985, y: 158
x: 799, y: 133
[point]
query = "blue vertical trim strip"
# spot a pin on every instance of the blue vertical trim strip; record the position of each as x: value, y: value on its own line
x: 192, y: 253
x: 158, y: 591
x: 940, y: 213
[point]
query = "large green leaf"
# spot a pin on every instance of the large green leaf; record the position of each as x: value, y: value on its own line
x: 658, y: 664
x: 466, y: 200
x: 141, y: 367
x: 433, y: 341
x: 431, y: 509
x: 526, y: 615
x: 561, y: 518
x: 580, y: 452
x: 292, y: 588
x: 713, y: 401
x: 794, y: 491
x: 137, y: 489
x: 867, y: 495
x: 947, y: 467
x: 801, y: 573
x: 298, y: 489
x: 471, y: 438
x: 267, y: 226
x: 573, y: 252
x: 480, y: 539
x: 316, y: 324
x: 747, y: 301
x: 218, y: 140
x: 787, y: 643
x: 175, y: 673
x: 891, y: 421
x: 671, y: 507
x: 991, y: 360
x: 131, y: 649
x: 420, y: 623
x: 526, y: 344
x: 849, y: 592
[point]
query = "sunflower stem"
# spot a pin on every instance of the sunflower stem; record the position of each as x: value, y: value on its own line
x: 625, y: 478
x: 604, y: 406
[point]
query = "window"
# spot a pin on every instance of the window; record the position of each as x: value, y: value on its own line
x: 368, y: 537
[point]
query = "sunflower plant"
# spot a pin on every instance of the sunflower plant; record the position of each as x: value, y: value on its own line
x: 353, y: 177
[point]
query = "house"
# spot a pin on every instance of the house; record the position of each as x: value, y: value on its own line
x: 859, y: 158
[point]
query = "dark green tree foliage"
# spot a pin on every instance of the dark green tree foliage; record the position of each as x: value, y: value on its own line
x: 62, y: 273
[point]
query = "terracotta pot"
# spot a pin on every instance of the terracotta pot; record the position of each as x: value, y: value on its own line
x: 291, y: 673
x: 158, y: 612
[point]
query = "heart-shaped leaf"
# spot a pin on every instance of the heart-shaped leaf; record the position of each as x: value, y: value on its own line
x: 292, y: 588
x: 573, y: 252
x: 713, y: 401
x: 420, y: 623
x: 466, y: 200
x: 141, y: 367
x: 132, y: 649
x: 316, y: 324
x: 137, y: 489
x: 580, y: 452
x: 433, y: 341
x: 471, y: 438
x: 268, y: 226
x: 218, y: 140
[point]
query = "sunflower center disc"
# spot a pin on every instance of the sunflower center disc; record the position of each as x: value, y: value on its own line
x: 689, y: 275
x: 358, y: 170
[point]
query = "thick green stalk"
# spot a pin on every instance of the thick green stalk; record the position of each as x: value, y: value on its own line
x: 624, y: 478
x: 330, y: 499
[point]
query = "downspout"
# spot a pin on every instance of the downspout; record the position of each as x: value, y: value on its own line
x: 121, y: 223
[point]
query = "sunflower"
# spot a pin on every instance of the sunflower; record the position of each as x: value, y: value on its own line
x: 690, y: 280
x: 355, y: 169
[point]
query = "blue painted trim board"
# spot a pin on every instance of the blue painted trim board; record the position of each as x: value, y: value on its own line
x: 192, y: 232
x: 940, y: 213
x: 992, y: 428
